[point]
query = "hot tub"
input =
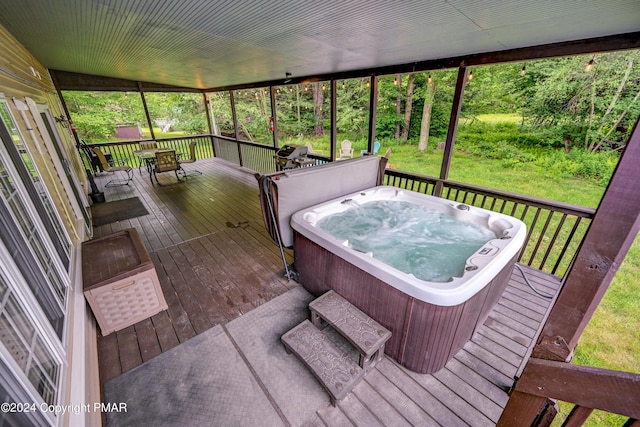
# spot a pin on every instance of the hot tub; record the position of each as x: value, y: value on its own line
x: 431, y: 316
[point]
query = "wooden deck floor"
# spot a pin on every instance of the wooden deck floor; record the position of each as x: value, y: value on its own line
x: 215, y: 262
x: 212, y: 254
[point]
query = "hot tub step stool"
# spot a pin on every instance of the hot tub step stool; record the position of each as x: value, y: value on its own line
x: 335, y: 370
x: 364, y: 333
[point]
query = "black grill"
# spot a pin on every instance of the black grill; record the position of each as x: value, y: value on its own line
x: 292, y: 156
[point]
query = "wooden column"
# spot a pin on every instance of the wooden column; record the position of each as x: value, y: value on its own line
x: 272, y: 96
x: 612, y: 231
x: 65, y: 109
x: 334, y: 116
x: 207, y: 109
x: 453, y: 127
x: 146, y: 111
x: 373, y: 109
x: 235, y: 125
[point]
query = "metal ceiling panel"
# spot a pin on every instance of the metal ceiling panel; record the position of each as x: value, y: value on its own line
x: 214, y: 43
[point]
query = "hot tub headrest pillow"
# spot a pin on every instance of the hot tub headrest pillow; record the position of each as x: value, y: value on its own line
x: 298, y: 189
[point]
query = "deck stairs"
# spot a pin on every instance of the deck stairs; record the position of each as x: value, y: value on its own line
x: 334, y: 368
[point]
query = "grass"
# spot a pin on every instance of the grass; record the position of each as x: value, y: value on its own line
x: 471, y: 169
x: 494, y: 118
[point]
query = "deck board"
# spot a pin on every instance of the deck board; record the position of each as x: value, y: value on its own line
x: 215, y: 262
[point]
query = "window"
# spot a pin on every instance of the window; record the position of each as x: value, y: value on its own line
x: 107, y: 116
x: 24, y: 236
x: 413, y: 117
x: 548, y: 128
x: 25, y: 345
x: 27, y: 168
x: 66, y: 164
x: 253, y: 112
x: 176, y: 114
x: 352, y: 115
x: 303, y: 116
x: 30, y: 357
x: 221, y: 114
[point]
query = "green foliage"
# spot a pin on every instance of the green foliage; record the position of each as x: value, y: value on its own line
x: 580, y: 163
x: 591, y: 109
x: 515, y: 146
x: 253, y: 111
x: 96, y: 114
x: 221, y: 115
x: 185, y: 111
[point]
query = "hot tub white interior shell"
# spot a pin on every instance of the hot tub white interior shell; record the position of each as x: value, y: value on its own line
x: 480, y: 268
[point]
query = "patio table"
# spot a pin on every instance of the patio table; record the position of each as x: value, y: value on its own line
x: 148, y: 157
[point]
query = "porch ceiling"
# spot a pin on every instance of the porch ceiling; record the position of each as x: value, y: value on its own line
x: 214, y: 43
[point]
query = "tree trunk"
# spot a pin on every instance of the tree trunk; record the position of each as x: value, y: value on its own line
x: 426, y: 116
x: 318, y: 112
x: 589, y: 146
x: 408, y: 106
x: 398, y: 104
x: 617, y: 122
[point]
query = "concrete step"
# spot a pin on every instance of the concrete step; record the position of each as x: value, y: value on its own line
x: 335, y: 370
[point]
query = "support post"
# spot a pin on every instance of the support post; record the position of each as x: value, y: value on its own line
x: 453, y: 127
x: 373, y: 109
x: 334, y: 115
x: 146, y: 111
x: 235, y: 125
x: 272, y: 95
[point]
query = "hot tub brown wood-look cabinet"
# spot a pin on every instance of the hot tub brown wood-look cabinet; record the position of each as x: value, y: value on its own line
x: 120, y: 281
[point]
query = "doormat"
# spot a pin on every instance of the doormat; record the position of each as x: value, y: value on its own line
x: 118, y: 210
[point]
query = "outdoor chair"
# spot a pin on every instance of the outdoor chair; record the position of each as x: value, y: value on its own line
x: 166, y: 161
x: 345, y: 152
x: 93, y: 159
x: 191, y: 159
x: 376, y: 148
x: 111, y: 168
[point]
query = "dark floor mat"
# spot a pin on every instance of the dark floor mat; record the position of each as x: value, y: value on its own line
x: 118, y: 210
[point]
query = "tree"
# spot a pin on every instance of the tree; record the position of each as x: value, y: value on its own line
x: 592, y: 109
x: 426, y: 114
x: 96, y: 114
x: 318, y: 110
x: 408, y: 106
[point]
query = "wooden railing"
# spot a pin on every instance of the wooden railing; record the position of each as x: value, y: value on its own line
x: 122, y: 151
x: 257, y: 157
x: 554, y: 229
x: 585, y: 387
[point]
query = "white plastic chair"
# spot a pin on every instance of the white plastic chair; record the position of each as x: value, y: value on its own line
x: 345, y: 152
